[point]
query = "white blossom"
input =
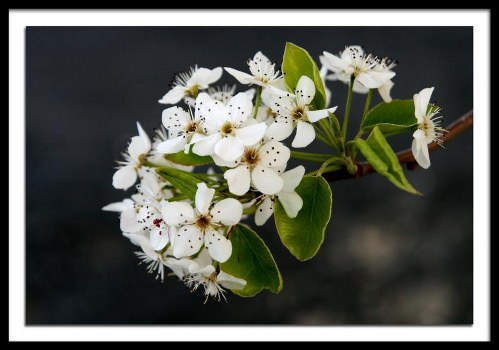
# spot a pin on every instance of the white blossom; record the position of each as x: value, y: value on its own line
x: 182, y: 126
x: 135, y: 154
x: 428, y: 127
x: 188, y: 84
x: 202, y: 225
x: 259, y: 166
x: 289, y: 199
x: 294, y: 111
x: 213, y: 281
x: 370, y: 72
x: 263, y: 72
x: 227, y: 131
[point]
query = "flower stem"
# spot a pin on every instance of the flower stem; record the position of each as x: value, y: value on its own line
x: 258, y: 99
x: 347, y: 108
x: 311, y: 157
x: 325, y: 165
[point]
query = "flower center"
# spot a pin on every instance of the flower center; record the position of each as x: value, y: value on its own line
x: 251, y: 156
x: 193, y: 91
x: 203, y: 222
x: 227, y: 129
x: 298, y: 113
x: 191, y: 127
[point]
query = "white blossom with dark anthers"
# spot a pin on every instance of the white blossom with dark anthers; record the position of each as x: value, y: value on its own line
x: 213, y: 281
x: 188, y: 84
x: 429, y: 129
x: 259, y: 166
x: 225, y: 127
x: 136, y: 152
x: 142, y: 213
x: 365, y: 68
x: 289, y: 199
x: 203, y: 224
x: 294, y: 111
x: 182, y: 126
x: 263, y: 72
x: 226, y: 92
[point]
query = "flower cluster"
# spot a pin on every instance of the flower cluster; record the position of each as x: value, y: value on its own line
x: 182, y: 219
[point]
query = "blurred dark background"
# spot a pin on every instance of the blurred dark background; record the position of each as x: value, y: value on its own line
x: 388, y: 257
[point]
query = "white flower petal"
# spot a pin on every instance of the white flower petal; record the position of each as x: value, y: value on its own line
x: 177, y: 213
x: 243, y: 78
x: 220, y: 162
x: 159, y: 237
x: 384, y: 91
x: 204, y: 196
x: 291, y: 202
x: 229, y: 148
x: 216, y: 73
x: 250, y: 135
x: 230, y: 282
x: 292, y: 178
x: 305, y: 135
x: 173, y: 96
x: 135, y: 238
x: 238, y: 179
x: 239, y: 108
x: 266, y: 180
x: 358, y: 87
x: 204, y: 77
x: 421, y: 101
x: 175, y: 119
x: 420, y: 149
x: 305, y: 91
x: 219, y: 247
x: 368, y: 81
x: 129, y: 221
x: 228, y: 211
x: 251, y: 93
x: 173, y: 145
x: 119, y: 206
x: 206, y: 145
x: 279, y: 130
x: 144, y: 137
x: 188, y: 240
x: 203, y: 101
x: 124, y: 177
x: 136, y: 148
x: 264, y: 211
x: 274, y: 154
x: 334, y: 63
x: 214, y: 117
x: 314, y: 116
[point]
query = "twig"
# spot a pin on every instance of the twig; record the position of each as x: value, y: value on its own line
x: 405, y: 157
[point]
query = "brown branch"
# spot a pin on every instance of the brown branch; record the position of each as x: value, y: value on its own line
x: 405, y: 157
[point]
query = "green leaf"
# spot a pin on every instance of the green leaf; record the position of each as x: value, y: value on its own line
x: 304, y: 234
x: 391, y: 118
x: 190, y: 158
x: 181, y: 180
x: 297, y: 62
x: 251, y: 260
x: 380, y: 155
